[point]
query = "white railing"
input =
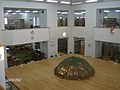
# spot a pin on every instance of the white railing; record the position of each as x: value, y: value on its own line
x: 22, y: 36
x: 105, y: 34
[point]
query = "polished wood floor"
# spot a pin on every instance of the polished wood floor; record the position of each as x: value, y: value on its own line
x: 40, y: 76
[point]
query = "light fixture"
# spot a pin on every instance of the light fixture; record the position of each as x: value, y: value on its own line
x: 64, y: 34
x: 6, y: 13
x: 38, y: 0
x: 88, y: 1
x: 35, y: 11
x: 77, y: 13
x: 21, y: 13
x: 112, y: 30
x: 105, y: 17
x: 75, y: 3
x: 14, y: 13
x: 58, y: 12
x: 64, y: 2
x: 9, y: 11
x: 118, y: 11
x: 64, y: 12
x: 60, y: 17
x: 18, y: 11
x: 106, y: 11
x: 52, y: 1
x: 27, y: 11
x: 83, y: 12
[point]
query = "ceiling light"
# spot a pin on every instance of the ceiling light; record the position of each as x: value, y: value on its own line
x: 74, y: 3
x: 77, y: 13
x: 18, y: 11
x: 35, y: 11
x: 64, y: 12
x: 117, y: 11
x: 58, y: 12
x: 27, y: 11
x: 105, y: 17
x: 64, y: 2
x: 9, y: 11
x: 60, y: 17
x: 21, y: 13
x: 83, y: 12
x: 64, y: 34
x: 6, y: 13
x: 38, y: 0
x: 13, y: 13
x: 107, y: 11
x: 52, y: 1
x: 91, y: 1
x: 77, y: 17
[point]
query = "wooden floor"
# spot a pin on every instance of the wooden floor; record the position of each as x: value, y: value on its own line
x: 1, y: 88
x: 40, y: 76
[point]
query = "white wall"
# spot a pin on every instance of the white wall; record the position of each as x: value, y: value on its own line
x: 43, y: 18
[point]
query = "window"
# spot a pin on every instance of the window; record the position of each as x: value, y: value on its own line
x: 62, y: 16
x: 108, y: 17
x: 79, y: 17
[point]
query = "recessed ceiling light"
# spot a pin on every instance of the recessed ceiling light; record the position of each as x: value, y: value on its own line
x: 38, y: 0
x: 58, y: 12
x: 64, y: 2
x: 64, y: 12
x: 13, y: 13
x: 52, y: 1
x: 21, y: 13
x: 83, y: 12
x: 6, y: 13
x: 91, y: 1
x: 77, y: 13
x: 107, y: 11
x: 117, y: 11
x: 35, y: 11
x: 27, y: 11
x: 105, y: 17
x: 75, y: 3
x: 18, y: 11
x: 9, y: 11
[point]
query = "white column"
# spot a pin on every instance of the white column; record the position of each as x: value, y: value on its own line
x: 2, y: 67
x: 33, y: 46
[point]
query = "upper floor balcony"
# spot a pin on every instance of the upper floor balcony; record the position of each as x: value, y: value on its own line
x: 107, y: 34
x: 22, y: 36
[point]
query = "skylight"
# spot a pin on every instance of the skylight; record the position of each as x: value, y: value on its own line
x: 38, y: 0
x: 52, y: 1
x: 87, y: 1
x: 64, y: 2
x: 75, y: 3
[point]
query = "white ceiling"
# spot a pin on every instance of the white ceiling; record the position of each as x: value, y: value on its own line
x: 71, y: 1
